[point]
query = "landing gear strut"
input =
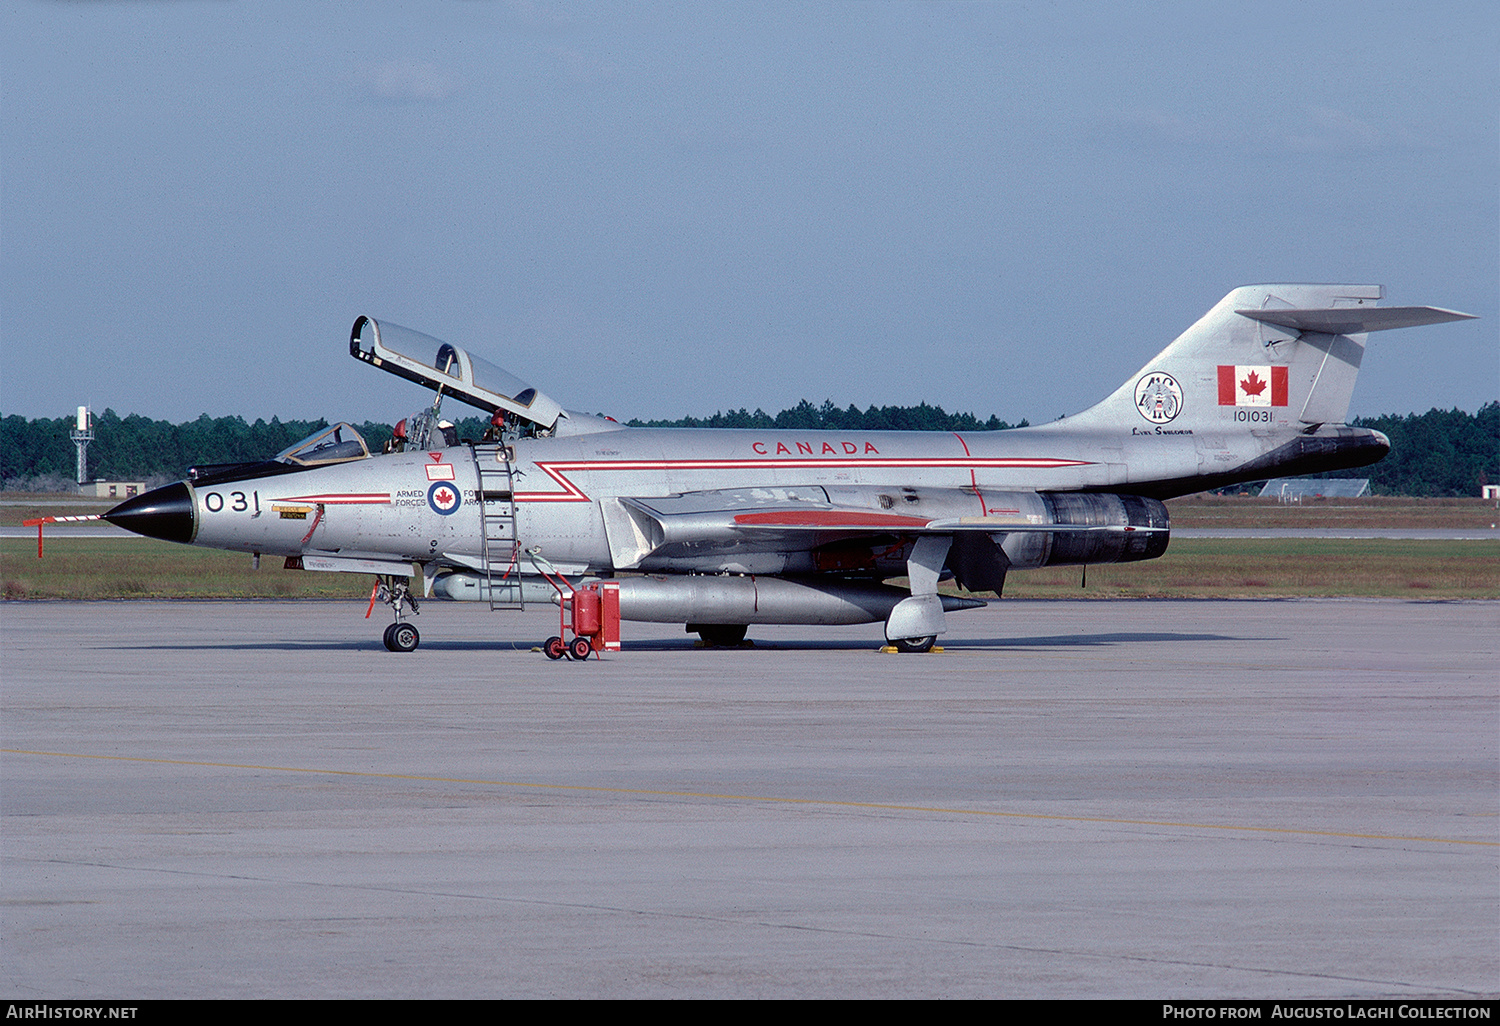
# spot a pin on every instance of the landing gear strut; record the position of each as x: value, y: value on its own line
x: 396, y: 593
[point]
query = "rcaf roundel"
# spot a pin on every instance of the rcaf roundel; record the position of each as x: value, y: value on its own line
x: 443, y: 498
x: 1249, y: 385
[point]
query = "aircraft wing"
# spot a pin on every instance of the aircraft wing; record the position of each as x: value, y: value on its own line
x: 769, y: 516
x: 963, y: 527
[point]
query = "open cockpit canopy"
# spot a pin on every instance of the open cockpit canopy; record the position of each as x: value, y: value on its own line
x: 451, y: 370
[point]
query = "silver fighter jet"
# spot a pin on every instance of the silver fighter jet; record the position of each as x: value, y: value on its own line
x: 720, y: 529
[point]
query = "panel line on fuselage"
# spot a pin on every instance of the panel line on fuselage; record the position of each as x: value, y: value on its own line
x: 973, y: 476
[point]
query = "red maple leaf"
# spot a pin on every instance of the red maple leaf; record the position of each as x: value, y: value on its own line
x: 1252, y: 385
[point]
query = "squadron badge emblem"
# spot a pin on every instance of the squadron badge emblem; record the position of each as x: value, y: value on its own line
x: 1158, y: 397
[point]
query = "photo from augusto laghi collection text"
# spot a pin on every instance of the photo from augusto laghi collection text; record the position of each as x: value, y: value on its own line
x: 1262, y: 1010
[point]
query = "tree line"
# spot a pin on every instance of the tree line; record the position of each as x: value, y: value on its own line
x: 136, y: 448
x: 828, y: 417
x: 1438, y: 453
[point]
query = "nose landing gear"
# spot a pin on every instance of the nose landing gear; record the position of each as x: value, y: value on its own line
x: 396, y: 593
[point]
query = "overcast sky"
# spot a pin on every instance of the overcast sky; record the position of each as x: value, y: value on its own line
x: 657, y: 209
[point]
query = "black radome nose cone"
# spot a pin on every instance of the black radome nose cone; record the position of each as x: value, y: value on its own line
x: 165, y: 513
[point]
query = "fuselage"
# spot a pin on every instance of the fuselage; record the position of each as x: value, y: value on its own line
x: 426, y: 505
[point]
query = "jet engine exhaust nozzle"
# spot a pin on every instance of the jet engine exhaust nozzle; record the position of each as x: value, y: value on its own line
x: 165, y: 513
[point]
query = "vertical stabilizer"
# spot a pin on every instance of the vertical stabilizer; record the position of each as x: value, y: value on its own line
x: 1252, y: 361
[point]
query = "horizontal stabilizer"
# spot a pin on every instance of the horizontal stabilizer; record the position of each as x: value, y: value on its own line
x: 1355, y: 320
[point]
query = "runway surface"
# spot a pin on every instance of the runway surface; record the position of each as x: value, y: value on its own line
x: 1080, y: 799
x: 101, y: 530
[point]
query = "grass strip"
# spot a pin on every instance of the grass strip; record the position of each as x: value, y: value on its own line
x: 99, y: 568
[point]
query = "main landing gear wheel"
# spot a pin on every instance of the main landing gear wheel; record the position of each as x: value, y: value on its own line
x: 554, y: 647
x: 402, y: 637
x: 580, y: 648
x: 914, y: 644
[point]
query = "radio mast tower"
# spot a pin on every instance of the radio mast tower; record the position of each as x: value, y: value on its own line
x: 83, y: 434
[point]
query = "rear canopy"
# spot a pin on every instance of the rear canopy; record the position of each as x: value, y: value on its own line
x: 452, y: 371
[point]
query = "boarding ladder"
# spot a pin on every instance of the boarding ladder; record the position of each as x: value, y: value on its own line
x: 497, y: 510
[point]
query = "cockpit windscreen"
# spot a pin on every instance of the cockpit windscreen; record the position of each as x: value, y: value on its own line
x: 337, y: 444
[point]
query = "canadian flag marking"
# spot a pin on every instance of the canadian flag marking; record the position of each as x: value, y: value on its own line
x: 1252, y: 385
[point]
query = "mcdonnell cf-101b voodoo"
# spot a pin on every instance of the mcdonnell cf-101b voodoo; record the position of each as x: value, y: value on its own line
x: 720, y: 529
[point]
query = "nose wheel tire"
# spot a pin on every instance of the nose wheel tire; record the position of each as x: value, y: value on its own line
x: 580, y: 648
x: 402, y: 637
x: 554, y: 648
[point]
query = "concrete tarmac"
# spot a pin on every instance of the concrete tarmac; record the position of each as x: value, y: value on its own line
x: 1075, y: 799
x: 99, y: 529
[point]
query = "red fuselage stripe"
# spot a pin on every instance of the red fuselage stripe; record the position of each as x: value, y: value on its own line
x: 559, y: 471
x: 368, y: 498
